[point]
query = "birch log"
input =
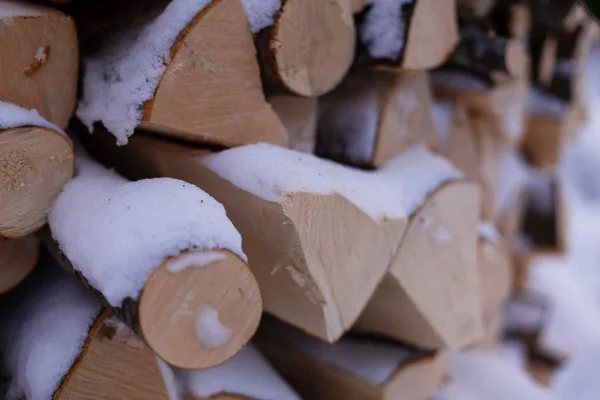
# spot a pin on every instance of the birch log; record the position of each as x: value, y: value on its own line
x: 17, y: 259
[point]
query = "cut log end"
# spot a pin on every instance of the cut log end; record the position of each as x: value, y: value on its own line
x: 197, y: 316
x: 35, y: 163
x: 312, y: 45
x: 17, y: 259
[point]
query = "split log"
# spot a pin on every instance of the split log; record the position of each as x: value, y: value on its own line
x: 354, y: 368
x: 299, y: 117
x: 375, y: 115
x: 495, y: 272
x: 357, y: 5
x: 428, y: 30
x: 171, y: 280
x: 292, y: 232
x: 419, y: 302
x: 209, y: 91
x: 309, y: 48
x: 246, y: 376
x: 36, y: 160
x: 41, y: 71
x: 501, y: 58
x: 17, y: 259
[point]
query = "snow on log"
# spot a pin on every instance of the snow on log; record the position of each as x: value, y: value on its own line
x: 353, y: 368
x: 41, y: 62
x: 247, y: 375
x: 17, y: 259
x: 287, y: 204
x: 299, y: 117
x: 374, y: 115
x: 419, y: 301
x: 309, y: 48
x: 114, y: 364
x: 409, y: 34
x: 189, y: 73
x: 36, y: 160
x: 45, y: 324
x: 164, y: 256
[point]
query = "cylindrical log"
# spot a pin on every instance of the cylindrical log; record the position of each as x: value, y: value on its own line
x: 182, y: 286
x: 17, y: 259
x: 310, y: 46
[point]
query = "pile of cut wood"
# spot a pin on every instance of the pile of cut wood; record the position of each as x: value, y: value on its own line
x: 292, y: 199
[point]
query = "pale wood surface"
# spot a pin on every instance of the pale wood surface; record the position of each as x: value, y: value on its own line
x: 17, y: 259
x: 495, y: 274
x: 170, y: 303
x: 310, y: 46
x: 299, y: 117
x: 35, y: 163
x: 317, y: 258
x: 49, y: 84
x: 430, y: 296
x: 113, y: 366
x: 211, y: 90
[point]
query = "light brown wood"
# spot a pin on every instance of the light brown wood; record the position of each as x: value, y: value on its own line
x: 171, y: 302
x: 357, y: 5
x: 317, y: 258
x: 508, y: 220
x: 17, y: 259
x: 541, y: 371
x: 314, y: 379
x: 165, y: 315
x: 520, y: 21
x: 114, y: 365
x: 299, y: 117
x: 374, y: 115
x: 211, y: 90
x: 430, y: 296
x: 432, y: 34
x: 35, y: 163
x: 547, y: 62
x: 309, y: 47
x: 41, y: 62
x: 492, y: 332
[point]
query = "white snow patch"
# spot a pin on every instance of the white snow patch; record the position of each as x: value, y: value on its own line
x: 246, y: 374
x: 383, y: 28
x: 477, y: 375
x: 260, y: 13
x: 458, y: 80
x: 524, y: 315
x: 442, y: 112
x: 542, y: 103
x: 13, y: 116
x: 210, y: 331
x: 441, y: 236
x: 124, y: 74
x: 514, y: 351
x: 172, y: 384
x: 40, y: 54
x: 514, y: 119
x: 487, y: 231
x: 194, y: 260
x: 513, y: 175
x: 122, y: 333
x: 10, y: 9
x: 395, y: 190
x: 117, y: 232
x: 42, y: 336
x: 577, y: 379
x: 540, y: 190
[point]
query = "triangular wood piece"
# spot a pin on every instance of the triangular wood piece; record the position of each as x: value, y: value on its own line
x: 299, y: 117
x: 422, y: 301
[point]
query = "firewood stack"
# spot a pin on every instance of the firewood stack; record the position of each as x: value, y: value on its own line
x: 376, y: 176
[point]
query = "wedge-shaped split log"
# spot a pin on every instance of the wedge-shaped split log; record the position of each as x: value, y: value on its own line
x: 36, y: 160
x: 410, y: 34
x: 310, y: 46
x: 299, y: 117
x: 355, y: 368
x: 374, y: 115
x: 164, y: 256
x: 17, y: 259
x: 41, y: 62
x: 246, y: 376
x: 421, y: 301
x: 190, y: 73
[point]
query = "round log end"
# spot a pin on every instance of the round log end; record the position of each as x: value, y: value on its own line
x: 17, y: 259
x: 35, y: 163
x: 516, y: 58
x: 313, y: 42
x: 199, y: 309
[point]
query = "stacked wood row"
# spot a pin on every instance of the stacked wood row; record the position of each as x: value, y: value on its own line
x: 195, y: 167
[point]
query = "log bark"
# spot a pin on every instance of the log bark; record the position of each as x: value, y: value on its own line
x: 419, y: 302
x: 41, y: 60
x: 375, y: 115
x: 309, y: 47
x: 299, y: 117
x: 322, y: 291
x: 165, y: 295
x: 17, y: 259
x: 115, y: 355
x: 35, y: 163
